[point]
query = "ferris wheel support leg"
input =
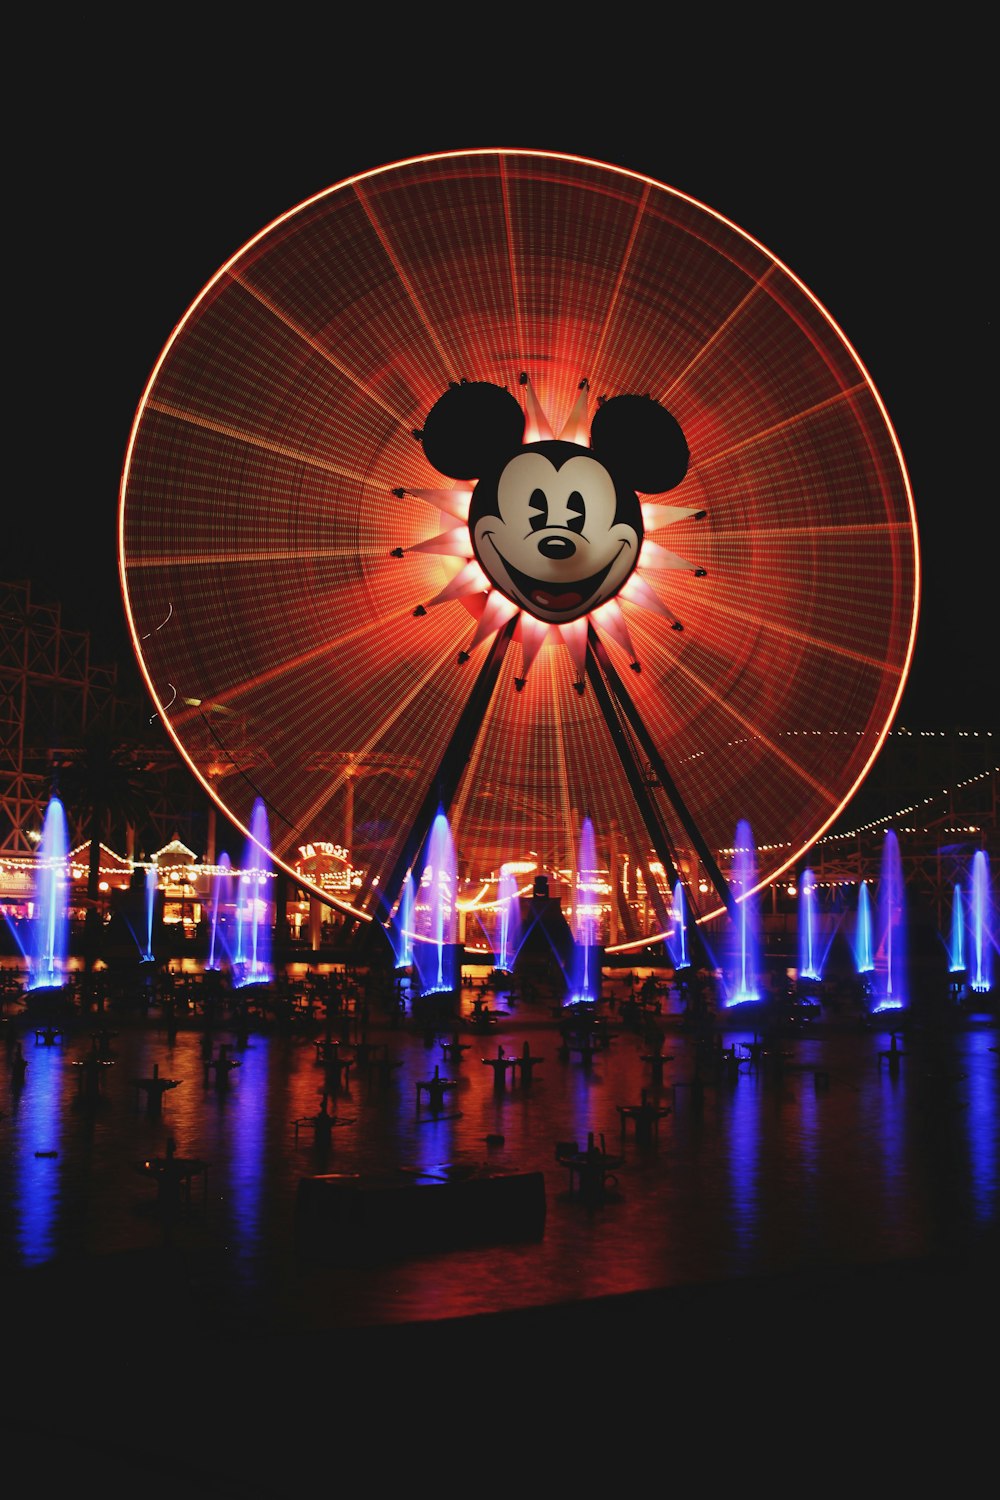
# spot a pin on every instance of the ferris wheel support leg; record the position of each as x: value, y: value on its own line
x: 444, y: 783
x: 610, y: 690
x: 640, y: 792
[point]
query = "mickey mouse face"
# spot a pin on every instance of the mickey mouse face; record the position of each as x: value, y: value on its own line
x: 554, y: 525
x: 553, y: 532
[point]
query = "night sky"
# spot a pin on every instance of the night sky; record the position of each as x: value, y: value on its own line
x: 864, y: 184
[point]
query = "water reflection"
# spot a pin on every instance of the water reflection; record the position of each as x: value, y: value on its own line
x: 889, y: 1129
x: 811, y: 1101
x: 821, y: 1155
x: 244, y: 1119
x: 38, y: 1137
x: 744, y: 1132
x: 982, y: 1135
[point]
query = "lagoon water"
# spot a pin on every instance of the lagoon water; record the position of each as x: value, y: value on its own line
x: 826, y: 1154
x: 826, y: 1160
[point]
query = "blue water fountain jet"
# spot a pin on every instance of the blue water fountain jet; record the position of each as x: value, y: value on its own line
x: 890, y: 938
x: 508, y: 938
x: 586, y: 986
x: 864, y: 956
x: 147, y: 956
x: 403, y: 927
x: 252, y: 962
x: 983, y: 934
x: 438, y: 895
x: 746, y: 985
x: 50, y: 931
x: 678, y: 947
x: 810, y: 964
x: 956, y: 945
x: 221, y: 895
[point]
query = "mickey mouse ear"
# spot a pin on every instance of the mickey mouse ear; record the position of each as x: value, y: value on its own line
x: 473, y: 427
x: 638, y: 440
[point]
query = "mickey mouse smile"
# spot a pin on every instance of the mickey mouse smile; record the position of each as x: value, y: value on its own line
x: 546, y: 593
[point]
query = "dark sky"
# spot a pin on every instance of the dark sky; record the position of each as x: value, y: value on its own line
x: 865, y: 185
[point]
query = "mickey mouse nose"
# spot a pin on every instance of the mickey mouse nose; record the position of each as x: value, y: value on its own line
x: 557, y: 548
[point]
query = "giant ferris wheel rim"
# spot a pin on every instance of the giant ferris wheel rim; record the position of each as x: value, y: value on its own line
x: 136, y: 564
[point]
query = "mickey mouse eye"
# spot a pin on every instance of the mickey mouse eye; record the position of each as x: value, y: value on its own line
x: 576, y: 505
x: 540, y: 505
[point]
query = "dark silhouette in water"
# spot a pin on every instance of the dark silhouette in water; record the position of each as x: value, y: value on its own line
x: 222, y: 1066
x: 18, y: 1066
x: 323, y: 1123
x: 527, y: 1063
x: 435, y: 1089
x: 155, y: 1088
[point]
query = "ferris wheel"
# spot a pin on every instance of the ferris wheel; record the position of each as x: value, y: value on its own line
x: 531, y: 489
